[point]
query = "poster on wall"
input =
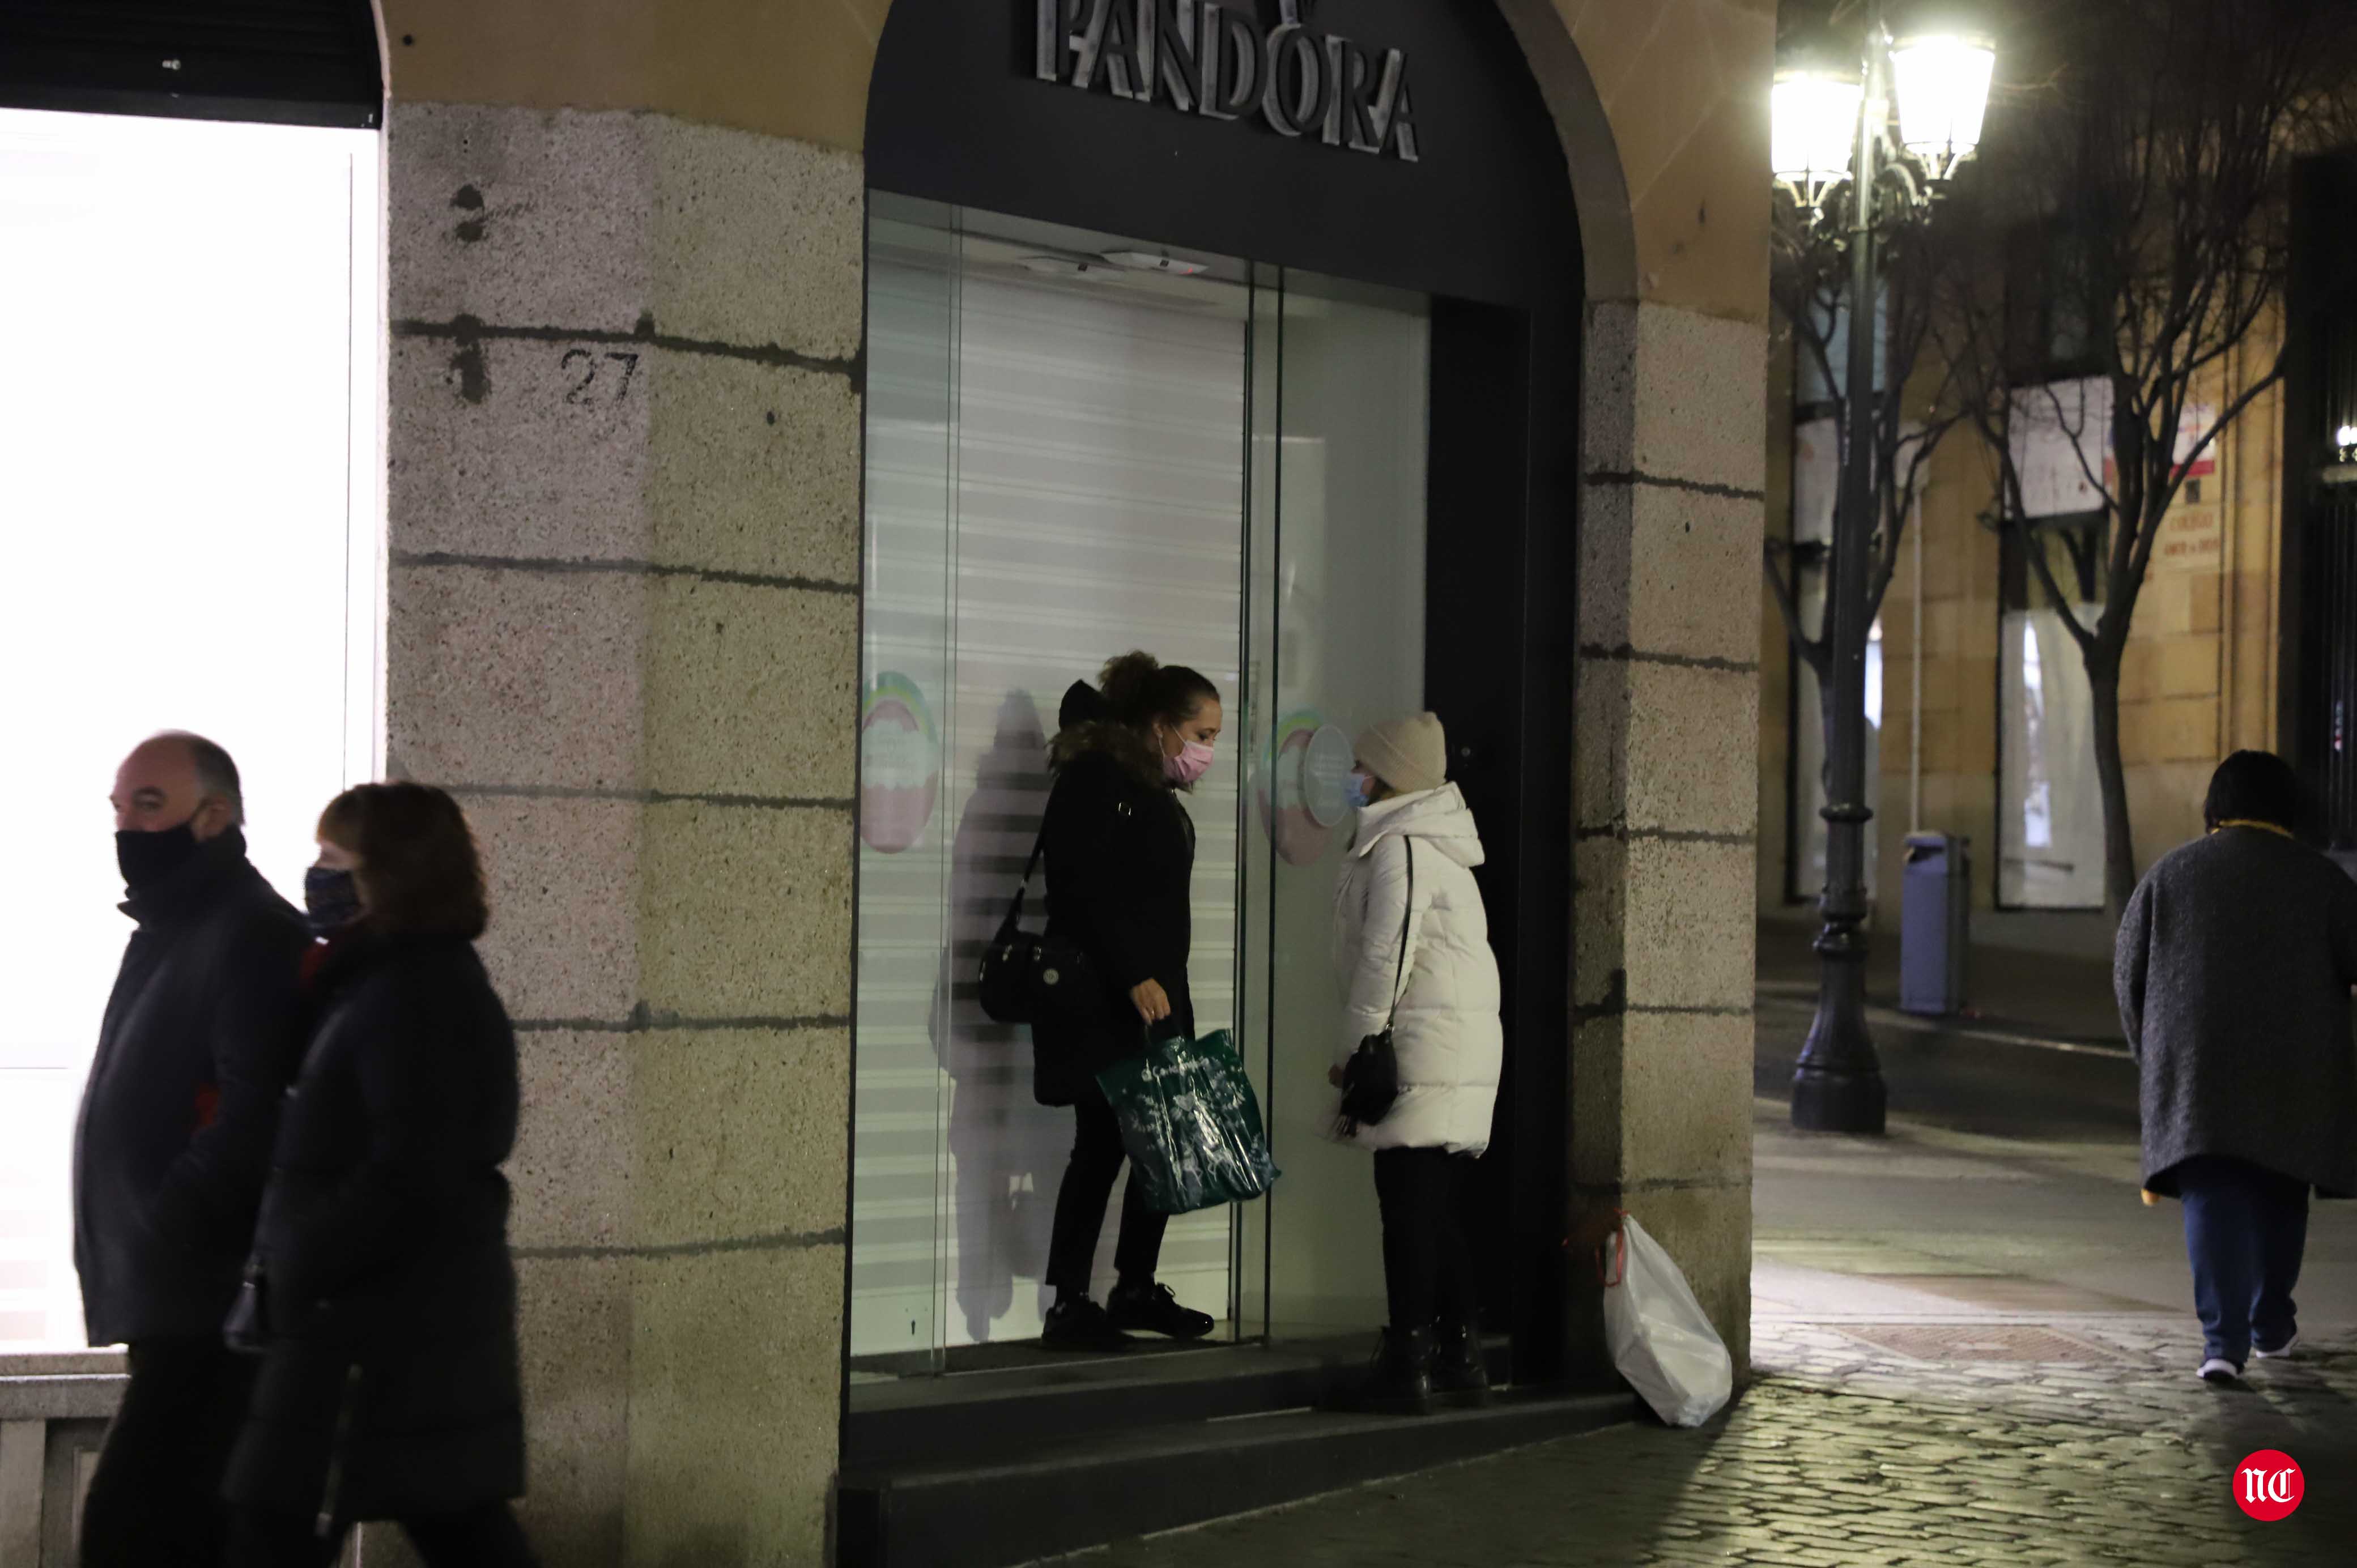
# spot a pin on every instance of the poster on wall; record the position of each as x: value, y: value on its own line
x: 899, y: 765
x: 2062, y: 440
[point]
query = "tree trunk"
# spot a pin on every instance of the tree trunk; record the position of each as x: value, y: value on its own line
x: 2111, y: 774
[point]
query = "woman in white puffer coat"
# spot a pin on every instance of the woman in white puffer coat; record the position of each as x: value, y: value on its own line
x: 1410, y: 870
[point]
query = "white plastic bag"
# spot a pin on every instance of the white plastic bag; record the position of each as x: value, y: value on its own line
x: 1661, y: 1340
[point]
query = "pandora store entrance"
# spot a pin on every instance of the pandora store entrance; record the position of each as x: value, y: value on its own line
x: 1219, y: 333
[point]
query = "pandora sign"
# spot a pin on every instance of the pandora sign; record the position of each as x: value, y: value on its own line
x: 1218, y: 61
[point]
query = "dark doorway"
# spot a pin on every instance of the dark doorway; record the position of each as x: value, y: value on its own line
x: 2318, y: 716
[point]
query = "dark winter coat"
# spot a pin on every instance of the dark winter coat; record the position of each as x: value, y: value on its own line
x: 198, y: 1040
x: 2233, y: 966
x: 391, y: 1380
x: 1121, y: 866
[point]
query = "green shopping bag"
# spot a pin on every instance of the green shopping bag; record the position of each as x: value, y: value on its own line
x: 1191, y: 1124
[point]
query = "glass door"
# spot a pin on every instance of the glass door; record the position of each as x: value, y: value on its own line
x: 1335, y: 635
x: 900, y: 1162
x: 1054, y: 477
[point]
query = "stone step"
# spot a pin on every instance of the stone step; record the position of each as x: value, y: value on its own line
x: 1039, y: 1499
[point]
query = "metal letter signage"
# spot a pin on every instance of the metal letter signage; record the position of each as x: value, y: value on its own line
x: 1213, y: 60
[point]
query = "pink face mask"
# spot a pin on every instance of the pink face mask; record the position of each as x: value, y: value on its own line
x: 1194, y: 761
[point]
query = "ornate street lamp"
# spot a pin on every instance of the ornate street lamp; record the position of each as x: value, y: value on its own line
x: 1832, y: 133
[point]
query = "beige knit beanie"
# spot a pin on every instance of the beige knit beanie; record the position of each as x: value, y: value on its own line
x: 1411, y: 755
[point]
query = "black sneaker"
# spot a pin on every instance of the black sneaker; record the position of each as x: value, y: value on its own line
x: 1460, y: 1373
x: 1152, y: 1309
x: 1080, y: 1324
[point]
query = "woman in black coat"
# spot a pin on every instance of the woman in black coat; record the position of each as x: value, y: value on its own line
x: 389, y: 1388
x: 1120, y: 860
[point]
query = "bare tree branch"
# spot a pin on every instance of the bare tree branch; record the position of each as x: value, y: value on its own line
x: 1815, y: 651
x: 2148, y: 160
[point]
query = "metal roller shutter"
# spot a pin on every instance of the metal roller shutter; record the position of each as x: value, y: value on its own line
x: 1075, y: 489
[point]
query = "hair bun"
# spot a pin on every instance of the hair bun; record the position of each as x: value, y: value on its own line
x: 1138, y: 689
x: 1126, y: 680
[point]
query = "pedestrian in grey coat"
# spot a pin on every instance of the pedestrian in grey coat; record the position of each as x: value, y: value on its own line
x: 2233, y: 967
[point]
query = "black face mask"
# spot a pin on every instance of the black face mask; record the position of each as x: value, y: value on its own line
x: 331, y: 899
x: 148, y: 858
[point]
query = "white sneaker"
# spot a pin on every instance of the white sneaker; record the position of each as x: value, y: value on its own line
x: 2281, y: 1352
x: 2218, y: 1369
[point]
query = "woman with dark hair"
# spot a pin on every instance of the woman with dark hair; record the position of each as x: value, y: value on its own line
x: 389, y: 1385
x: 2233, y: 966
x: 1120, y: 861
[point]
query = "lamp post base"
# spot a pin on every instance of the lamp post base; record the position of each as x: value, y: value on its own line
x: 1838, y: 1087
x: 1838, y: 1102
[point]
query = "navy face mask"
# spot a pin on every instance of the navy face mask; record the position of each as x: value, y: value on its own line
x: 332, y: 899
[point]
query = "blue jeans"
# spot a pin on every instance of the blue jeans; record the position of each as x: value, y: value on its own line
x: 2246, y: 1228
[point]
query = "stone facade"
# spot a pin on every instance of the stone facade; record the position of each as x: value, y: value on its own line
x: 626, y: 369
x: 1666, y: 703
x: 624, y: 545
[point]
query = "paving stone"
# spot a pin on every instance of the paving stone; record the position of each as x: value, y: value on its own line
x: 1945, y: 1464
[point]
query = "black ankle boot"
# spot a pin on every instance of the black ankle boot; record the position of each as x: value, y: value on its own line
x: 1076, y: 1323
x: 1461, y: 1371
x: 1399, y: 1381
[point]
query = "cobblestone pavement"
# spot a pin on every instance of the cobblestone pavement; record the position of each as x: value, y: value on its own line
x: 1845, y: 1451
x: 1841, y: 1455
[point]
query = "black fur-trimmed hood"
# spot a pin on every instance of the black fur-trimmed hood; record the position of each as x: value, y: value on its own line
x: 1088, y: 727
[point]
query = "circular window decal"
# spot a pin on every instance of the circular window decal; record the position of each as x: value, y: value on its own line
x: 899, y: 765
x: 1303, y: 789
x: 1326, y: 775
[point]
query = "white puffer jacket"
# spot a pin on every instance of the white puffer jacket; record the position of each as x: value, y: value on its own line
x: 1449, y: 1036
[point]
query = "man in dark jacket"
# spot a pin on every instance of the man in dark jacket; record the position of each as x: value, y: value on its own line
x: 174, y: 1141
x: 2233, y: 967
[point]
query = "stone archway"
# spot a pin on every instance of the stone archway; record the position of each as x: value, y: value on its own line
x: 623, y: 627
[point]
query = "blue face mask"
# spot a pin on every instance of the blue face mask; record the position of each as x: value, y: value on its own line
x: 332, y: 899
x: 1359, y: 791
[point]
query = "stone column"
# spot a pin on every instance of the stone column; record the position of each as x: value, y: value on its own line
x: 625, y: 434
x: 1666, y: 705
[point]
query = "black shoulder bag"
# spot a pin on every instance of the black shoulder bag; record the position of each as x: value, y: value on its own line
x: 1370, y: 1078
x: 1027, y: 975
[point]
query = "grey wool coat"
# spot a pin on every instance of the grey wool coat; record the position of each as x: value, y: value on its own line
x: 2232, y: 968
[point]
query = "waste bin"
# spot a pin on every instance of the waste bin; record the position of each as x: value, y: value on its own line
x: 1935, y: 915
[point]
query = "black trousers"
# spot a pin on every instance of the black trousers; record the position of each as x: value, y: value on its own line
x: 484, y: 1537
x: 155, y: 1495
x: 1097, y: 1159
x: 1427, y: 1269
